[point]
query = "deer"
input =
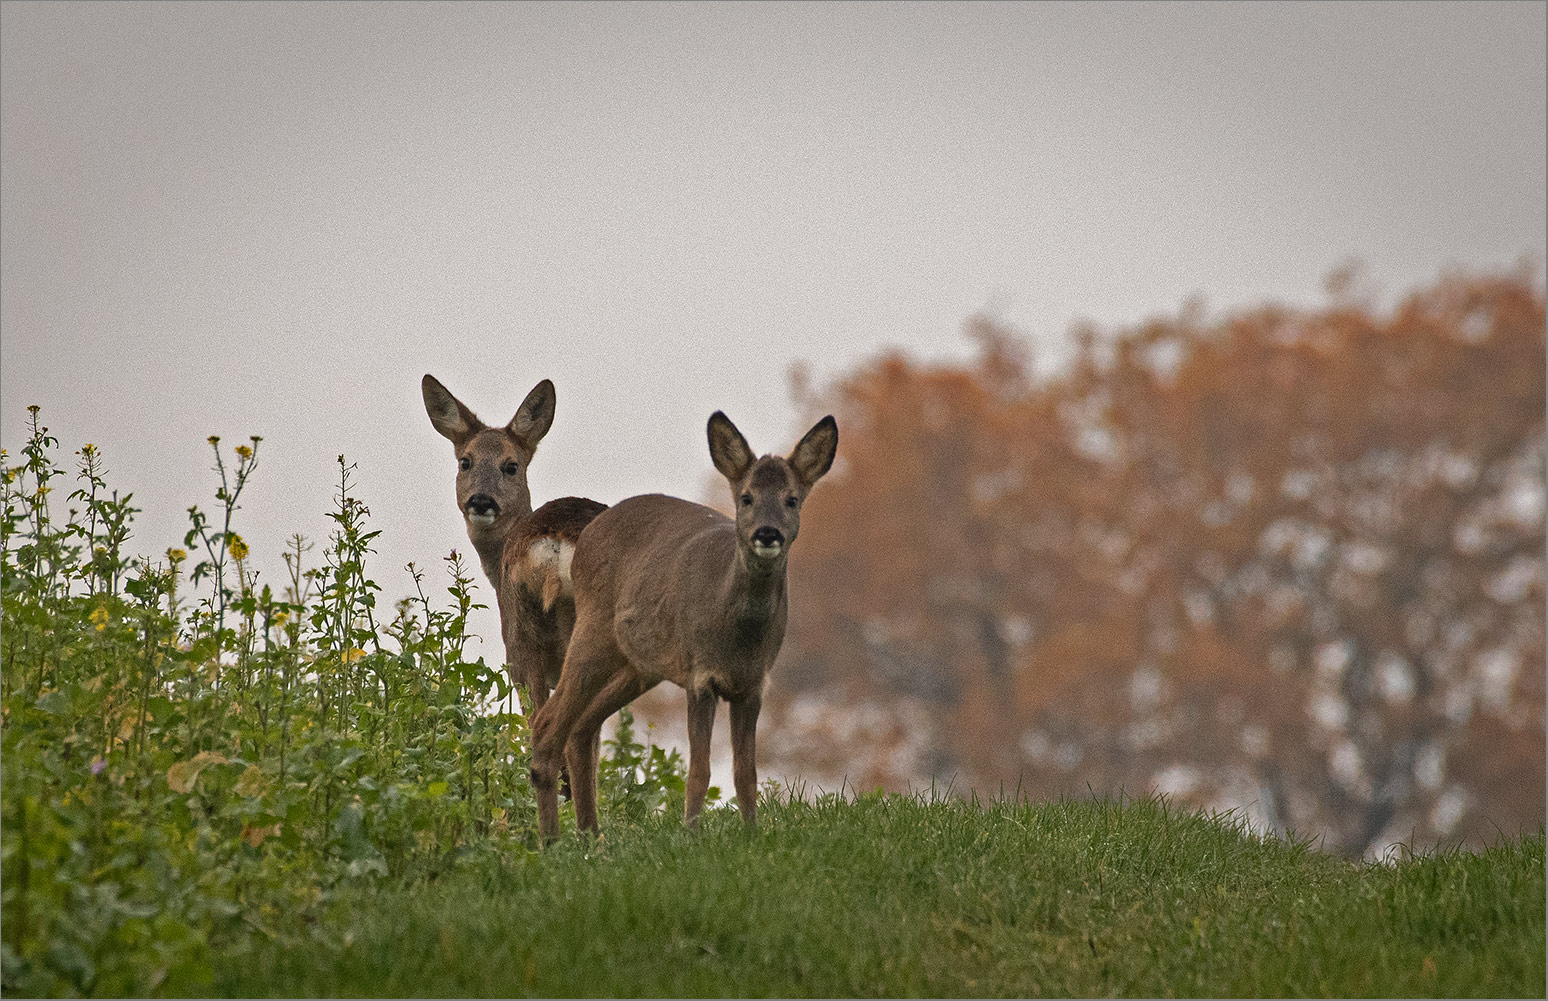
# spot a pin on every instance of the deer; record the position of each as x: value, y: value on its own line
x: 525, y: 554
x: 669, y: 590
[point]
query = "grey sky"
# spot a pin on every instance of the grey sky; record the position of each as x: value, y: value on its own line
x: 274, y: 219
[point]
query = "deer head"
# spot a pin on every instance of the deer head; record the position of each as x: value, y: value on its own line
x: 768, y: 493
x: 492, y: 462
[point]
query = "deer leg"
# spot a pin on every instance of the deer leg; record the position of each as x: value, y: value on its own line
x: 701, y: 723
x: 524, y: 651
x: 533, y: 659
x: 561, y: 621
x: 586, y: 741
x: 744, y: 756
x: 526, y: 661
x: 548, y: 664
x: 589, y: 666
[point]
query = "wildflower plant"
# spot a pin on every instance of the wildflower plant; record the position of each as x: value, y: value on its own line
x: 192, y: 757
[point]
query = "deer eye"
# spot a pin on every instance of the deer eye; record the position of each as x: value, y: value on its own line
x: 746, y: 500
x: 791, y: 502
x: 510, y: 469
x: 466, y: 463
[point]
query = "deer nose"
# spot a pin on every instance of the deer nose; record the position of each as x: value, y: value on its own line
x: 768, y: 537
x: 483, y: 504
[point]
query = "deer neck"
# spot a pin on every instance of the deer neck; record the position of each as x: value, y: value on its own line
x: 489, y: 544
x: 754, y: 591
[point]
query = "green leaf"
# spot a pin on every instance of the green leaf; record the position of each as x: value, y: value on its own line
x: 56, y: 703
x: 69, y: 957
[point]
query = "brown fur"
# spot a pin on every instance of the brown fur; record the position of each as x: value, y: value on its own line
x: 559, y: 520
x: 669, y: 590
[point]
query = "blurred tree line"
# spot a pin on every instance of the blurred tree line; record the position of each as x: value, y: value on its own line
x: 1290, y: 561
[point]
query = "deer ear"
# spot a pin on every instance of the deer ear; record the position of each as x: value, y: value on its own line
x: 447, y: 413
x: 535, y: 415
x: 728, y: 449
x: 814, y: 455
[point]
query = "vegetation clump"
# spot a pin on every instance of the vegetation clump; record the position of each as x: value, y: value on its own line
x: 194, y: 763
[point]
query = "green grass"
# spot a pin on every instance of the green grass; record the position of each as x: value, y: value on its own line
x: 233, y: 791
x: 899, y: 896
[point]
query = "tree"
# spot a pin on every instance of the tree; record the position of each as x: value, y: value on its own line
x: 1288, y: 561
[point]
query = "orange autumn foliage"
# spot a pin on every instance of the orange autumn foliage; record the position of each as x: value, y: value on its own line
x: 1287, y: 561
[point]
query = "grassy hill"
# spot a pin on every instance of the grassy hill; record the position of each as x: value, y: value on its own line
x: 899, y: 896
x: 210, y: 786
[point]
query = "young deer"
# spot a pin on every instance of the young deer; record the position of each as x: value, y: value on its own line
x: 525, y: 553
x: 667, y: 590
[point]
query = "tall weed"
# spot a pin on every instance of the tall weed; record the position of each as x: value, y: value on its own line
x: 192, y: 761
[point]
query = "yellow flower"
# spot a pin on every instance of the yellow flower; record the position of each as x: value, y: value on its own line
x: 244, y: 451
x: 88, y: 450
x: 99, y: 617
x: 236, y: 545
x: 177, y: 556
x: 280, y: 618
x: 353, y: 654
x: 213, y: 439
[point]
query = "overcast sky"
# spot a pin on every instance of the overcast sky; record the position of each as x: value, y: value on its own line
x: 274, y: 219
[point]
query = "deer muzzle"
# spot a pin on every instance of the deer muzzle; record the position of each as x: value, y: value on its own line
x: 482, y: 509
x: 768, y: 542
